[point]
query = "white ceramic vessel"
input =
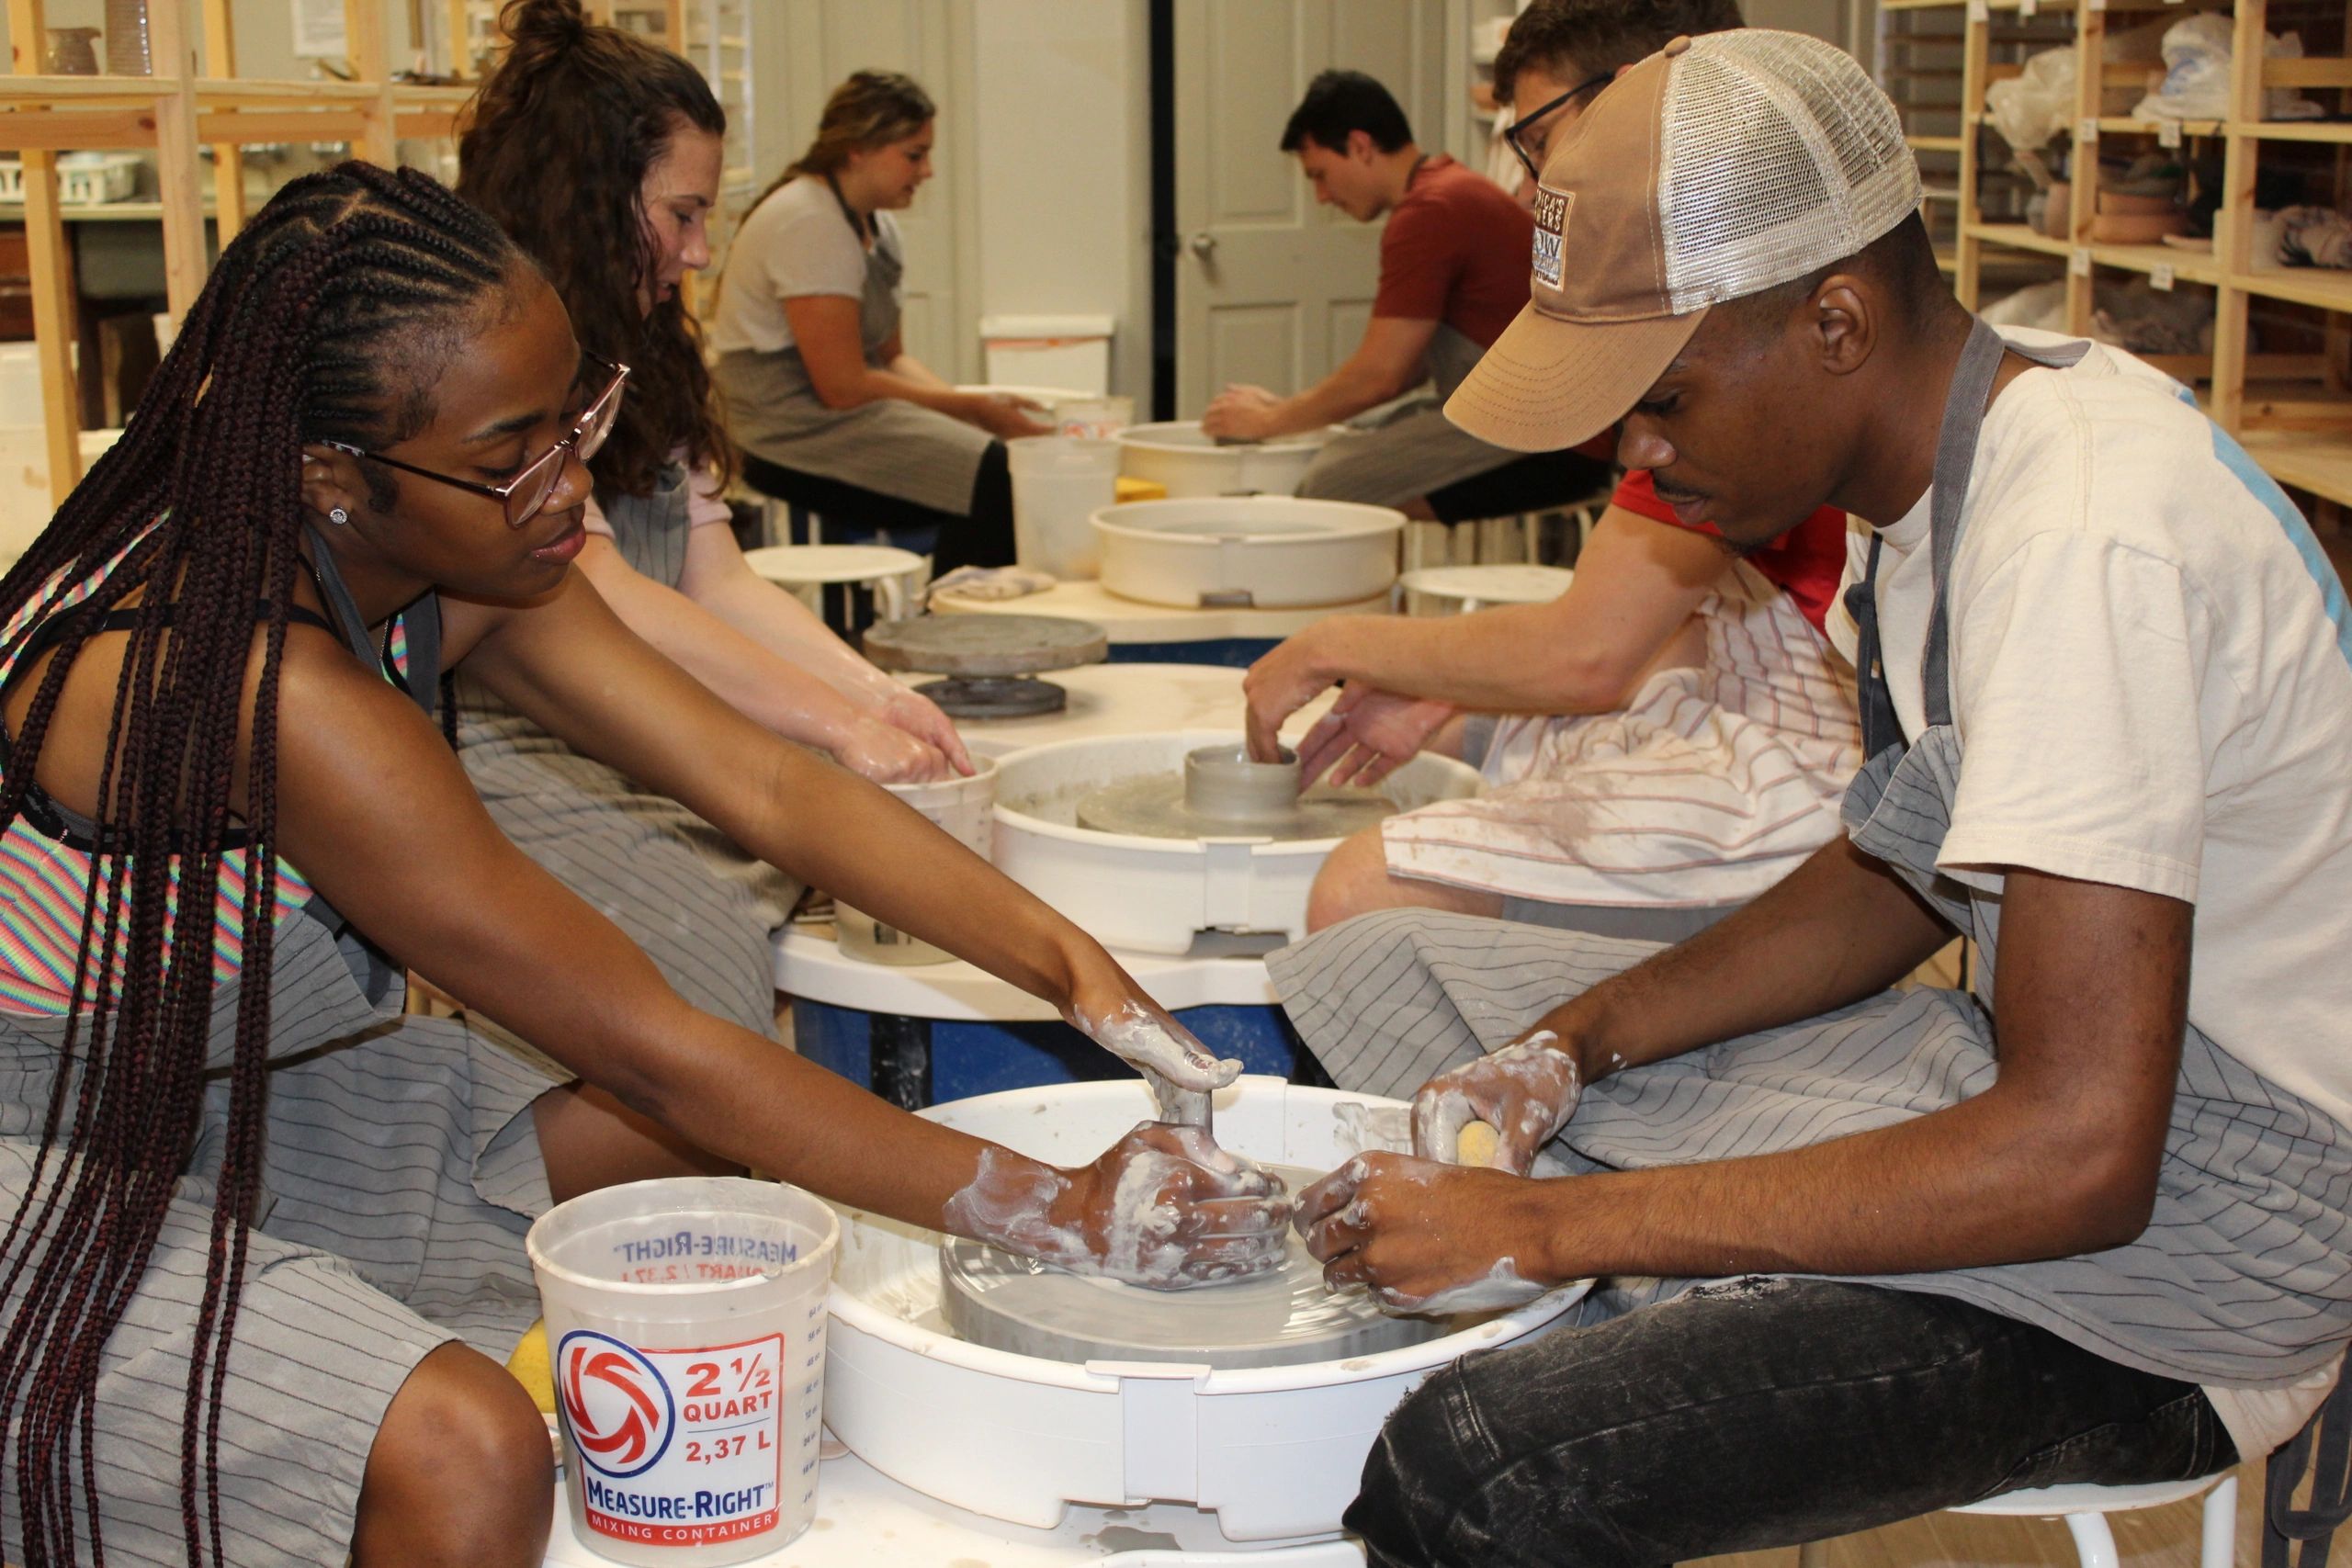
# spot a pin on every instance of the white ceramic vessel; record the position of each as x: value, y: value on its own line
x: 1152, y: 895
x: 1261, y: 552
x: 1273, y: 1452
x: 1176, y: 454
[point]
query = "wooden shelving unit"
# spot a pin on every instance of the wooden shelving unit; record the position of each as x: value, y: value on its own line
x: 195, y: 97
x: 2295, y: 417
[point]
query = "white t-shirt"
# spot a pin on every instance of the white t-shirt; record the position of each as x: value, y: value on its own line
x: 794, y: 244
x: 2150, y: 671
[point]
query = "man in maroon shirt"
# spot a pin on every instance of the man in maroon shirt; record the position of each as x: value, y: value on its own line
x: 1453, y: 276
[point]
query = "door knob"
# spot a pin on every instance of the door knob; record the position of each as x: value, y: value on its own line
x: 1203, y: 245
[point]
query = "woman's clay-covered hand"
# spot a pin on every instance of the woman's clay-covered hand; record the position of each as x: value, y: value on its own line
x: 1139, y: 1030
x: 1425, y: 1237
x: 882, y: 751
x: 919, y: 717
x: 1526, y: 1092
x: 1007, y: 416
x: 1163, y: 1208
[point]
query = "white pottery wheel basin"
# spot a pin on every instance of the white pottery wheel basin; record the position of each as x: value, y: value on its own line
x: 1273, y: 1452
x: 1176, y: 454
x: 1152, y: 895
x: 1264, y: 552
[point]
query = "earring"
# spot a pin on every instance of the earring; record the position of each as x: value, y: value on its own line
x: 338, y: 516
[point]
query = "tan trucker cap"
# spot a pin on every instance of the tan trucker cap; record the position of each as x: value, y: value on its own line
x: 1718, y: 167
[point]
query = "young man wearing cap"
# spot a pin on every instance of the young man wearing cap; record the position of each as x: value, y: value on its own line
x: 2090, y: 1225
x: 1661, y: 743
x: 1450, y: 281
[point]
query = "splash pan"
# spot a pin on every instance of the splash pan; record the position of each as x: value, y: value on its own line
x: 1273, y: 1452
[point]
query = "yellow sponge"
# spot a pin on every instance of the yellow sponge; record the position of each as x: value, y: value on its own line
x: 1475, y: 1145
x: 1127, y: 490
x: 529, y: 1365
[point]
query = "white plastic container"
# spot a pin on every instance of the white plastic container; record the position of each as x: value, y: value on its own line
x: 92, y: 179
x: 1260, y: 552
x: 1059, y: 482
x: 1275, y: 1453
x: 1063, y: 351
x: 961, y: 807
x: 687, y: 1332
x: 1142, y: 895
x: 1177, y: 455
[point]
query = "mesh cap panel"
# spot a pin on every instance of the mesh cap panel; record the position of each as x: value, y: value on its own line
x: 1778, y: 156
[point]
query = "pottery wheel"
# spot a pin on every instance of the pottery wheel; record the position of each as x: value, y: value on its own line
x: 986, y: 645
x: 1153, y: 807
x: 1011, y: 1303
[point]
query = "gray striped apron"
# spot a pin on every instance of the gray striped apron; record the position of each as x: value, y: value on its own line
x: 703, y: 909
x: 1402, y: 452
x: 889, y: 446
x: 2243, y: 1275
x: 400, y: 1175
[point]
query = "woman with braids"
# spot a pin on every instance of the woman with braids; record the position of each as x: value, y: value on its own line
x: 598, y: 152
x: 830, y: 410
x: 263, y: 1228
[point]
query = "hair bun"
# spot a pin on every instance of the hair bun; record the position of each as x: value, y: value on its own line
x: 544, y: 24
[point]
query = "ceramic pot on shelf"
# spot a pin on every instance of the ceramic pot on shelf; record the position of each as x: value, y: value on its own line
x: 72, y: 52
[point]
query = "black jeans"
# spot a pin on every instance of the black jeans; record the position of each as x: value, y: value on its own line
x: 1532, y: 483
x: 1755, y: 1413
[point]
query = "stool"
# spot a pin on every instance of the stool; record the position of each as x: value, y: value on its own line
x: 894, y: 576
x: 1495, y: 583
x: 2084, y: 1510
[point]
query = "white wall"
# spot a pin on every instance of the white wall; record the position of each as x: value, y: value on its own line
x: 1060, y: 119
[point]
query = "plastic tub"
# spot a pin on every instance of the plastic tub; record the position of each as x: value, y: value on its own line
x: 686, y: 1331
x: 1059, y: 482
x: 1259, y: 552
x: 962, y: 806
x: 1177, y: 455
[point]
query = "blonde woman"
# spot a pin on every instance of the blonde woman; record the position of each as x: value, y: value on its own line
x: 825, y: 403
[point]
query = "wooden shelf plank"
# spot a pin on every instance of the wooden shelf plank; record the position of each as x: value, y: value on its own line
x: 2188, y: 266
x: 2323, y: 287
x: 2125, y: 127
x: 2336, y: 132
x: 2318, y: 462
x: 2017, y: 237
x: 1933, y: 144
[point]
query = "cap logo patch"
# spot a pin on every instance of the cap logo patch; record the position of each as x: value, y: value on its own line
x: 1551, y: 222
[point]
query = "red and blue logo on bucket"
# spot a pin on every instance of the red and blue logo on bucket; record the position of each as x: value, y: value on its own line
x: 615, y: 1402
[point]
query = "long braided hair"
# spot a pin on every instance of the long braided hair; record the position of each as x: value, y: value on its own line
x: 325, y: 321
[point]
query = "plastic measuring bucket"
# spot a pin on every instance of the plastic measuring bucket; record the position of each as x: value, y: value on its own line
x: 966, y: 809
x: 686, y: 1333
x: 1059, y: 481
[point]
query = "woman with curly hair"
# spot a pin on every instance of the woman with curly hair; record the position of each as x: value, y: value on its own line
x: 599, y: 153
x: 829, y: 408
x: 265, y: 1232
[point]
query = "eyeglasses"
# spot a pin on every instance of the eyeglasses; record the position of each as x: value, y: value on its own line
x: 1511, y: 131
x: 528, y: 491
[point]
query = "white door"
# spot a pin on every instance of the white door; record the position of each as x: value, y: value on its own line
x: 1270, y: 287
x: 806, y: 49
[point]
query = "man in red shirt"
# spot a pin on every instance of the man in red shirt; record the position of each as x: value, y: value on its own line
x: 1453, y: 276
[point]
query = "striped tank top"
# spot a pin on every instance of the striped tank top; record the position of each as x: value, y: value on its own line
x: 48, y: 855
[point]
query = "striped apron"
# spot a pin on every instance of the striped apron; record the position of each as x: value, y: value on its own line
x: 2243, y: 1275
x: 400, y: 1175
x: 1710, y: 786
x: 703, y: 909
x: 889, y: 446
x: 1405, y: 450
